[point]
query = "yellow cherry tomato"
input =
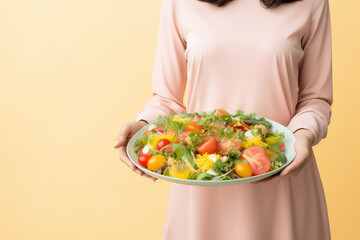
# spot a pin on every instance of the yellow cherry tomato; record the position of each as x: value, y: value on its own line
x: 243, y: 169
x: 155, y: 162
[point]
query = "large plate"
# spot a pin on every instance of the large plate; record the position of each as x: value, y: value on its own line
x: 289, y: 151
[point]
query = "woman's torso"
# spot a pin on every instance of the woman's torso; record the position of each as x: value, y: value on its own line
x: 244, y: 56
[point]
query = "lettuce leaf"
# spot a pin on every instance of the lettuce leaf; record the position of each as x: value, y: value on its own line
x: 226, y: 177
x: 261, y: 121
x: 204, y: 176
x: 141, y: 142
x: 180, y: 152
x: 193, y: 176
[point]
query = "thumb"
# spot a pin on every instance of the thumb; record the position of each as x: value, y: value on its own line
x: 124, y: 132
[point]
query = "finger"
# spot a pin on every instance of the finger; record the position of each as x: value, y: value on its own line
x: 268, y: 179
x: 290, y: 169
x: 294, y: 168
x: 150, y: 177
x: 138, y: 171
x: 125, y: 159
x: 121, y: 139
x: 290, y: 173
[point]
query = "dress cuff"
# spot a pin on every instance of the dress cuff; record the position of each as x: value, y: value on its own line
x: 309, y: 121
x: 149, y: 116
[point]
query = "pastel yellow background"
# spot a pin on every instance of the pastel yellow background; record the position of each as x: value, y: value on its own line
x: 72, y: 72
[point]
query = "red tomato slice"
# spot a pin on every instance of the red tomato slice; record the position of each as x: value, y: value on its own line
x: 140, y: 150
x: 220, y: 112
x: 281, y: 147
x: 208, y: 145
x: 224, y: 146
x: 257, y: 159
x: 182, y: 137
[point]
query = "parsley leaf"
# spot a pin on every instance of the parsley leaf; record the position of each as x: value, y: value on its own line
x: 241, y: 135
x: 195, y: 140
x: 229, y: 132
x: 222, y: 167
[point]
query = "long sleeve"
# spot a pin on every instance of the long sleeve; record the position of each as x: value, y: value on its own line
x: 315, y: 92
x: 169, y: 71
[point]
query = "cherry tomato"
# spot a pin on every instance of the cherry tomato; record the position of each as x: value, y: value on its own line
x: 225, y: 145
x: 162, y: 143
x: 270, y: 153
x: 208, y: 145
x: 281, y: 147
x: 192, y: 126
x: 155, y: 162
x: 143, y: 159
x: 182, y: 137
x: 243, y: 169
x: 220, y: 112
x: 258, y: 160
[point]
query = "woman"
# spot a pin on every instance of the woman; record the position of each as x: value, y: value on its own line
x: 243, y: 55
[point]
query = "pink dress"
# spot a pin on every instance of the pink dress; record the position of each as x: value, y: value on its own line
x: 275, y: 62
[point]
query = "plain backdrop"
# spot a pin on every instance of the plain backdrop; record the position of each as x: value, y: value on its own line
x: 72, y: 72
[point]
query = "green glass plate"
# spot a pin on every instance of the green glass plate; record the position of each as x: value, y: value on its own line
x: 289, y: 151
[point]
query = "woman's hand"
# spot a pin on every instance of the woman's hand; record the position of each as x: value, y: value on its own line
x: 302, y: 146
x: 126, y: 132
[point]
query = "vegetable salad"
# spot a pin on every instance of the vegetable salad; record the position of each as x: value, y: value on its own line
x: 211, y: 146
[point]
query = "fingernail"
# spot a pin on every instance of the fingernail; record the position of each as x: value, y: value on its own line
x: 116, y: 142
